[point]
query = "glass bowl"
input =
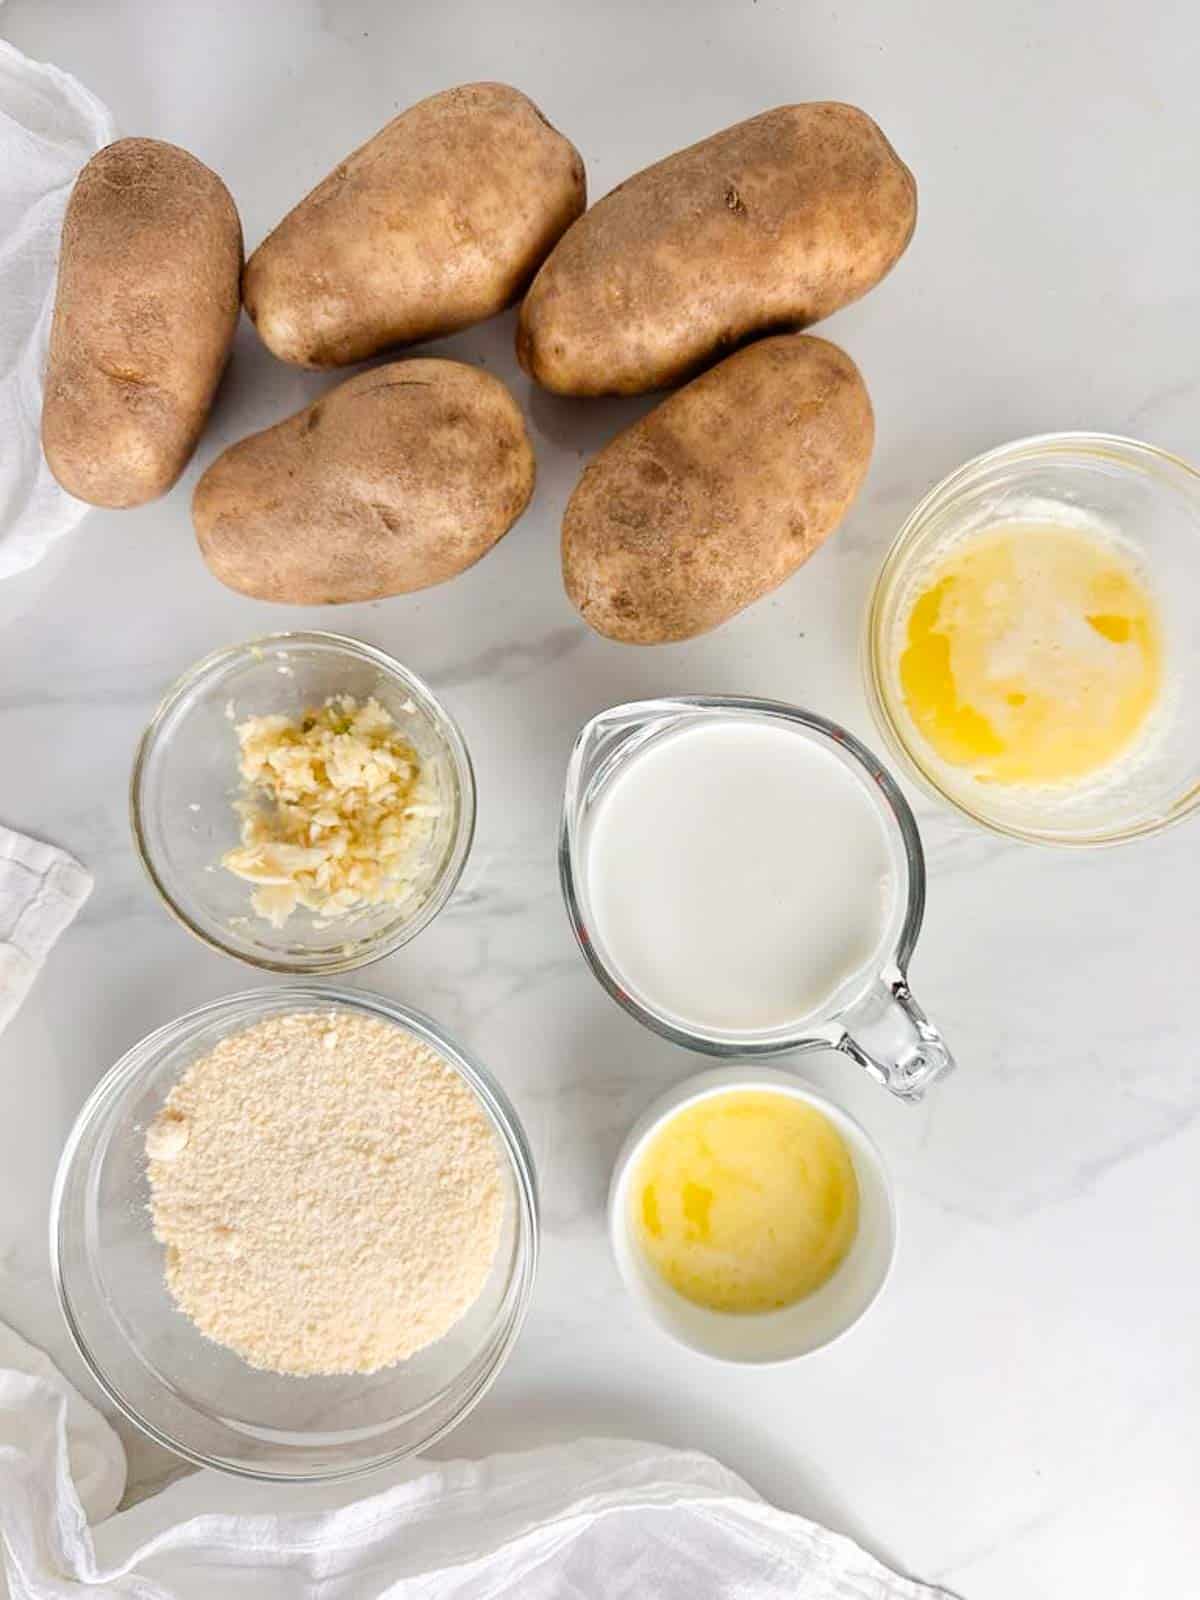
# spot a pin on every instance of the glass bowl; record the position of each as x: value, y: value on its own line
x: 185, y: 780
x: 1149, y: 503
x: 189, y: 1393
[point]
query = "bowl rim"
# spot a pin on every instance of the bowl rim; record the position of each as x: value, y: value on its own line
x: 1119, y: 447
x: 503, y: 1116
x: 384, y: 944
x: 747, y: 1076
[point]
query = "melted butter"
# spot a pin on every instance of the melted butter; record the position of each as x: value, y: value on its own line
x: 1033, y: 656
x: 746, y: 1201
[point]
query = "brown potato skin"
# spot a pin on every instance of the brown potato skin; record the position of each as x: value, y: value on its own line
x: 437, y: 222
x: 145, y: 312
x: 397, y: 479
x: 719, y: 494
x: 772, y: 224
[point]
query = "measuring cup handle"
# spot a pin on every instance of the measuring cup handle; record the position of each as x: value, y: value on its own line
x: 887, y: 1033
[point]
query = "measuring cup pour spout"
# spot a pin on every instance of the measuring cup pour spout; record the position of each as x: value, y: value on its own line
x: 887, y: 1032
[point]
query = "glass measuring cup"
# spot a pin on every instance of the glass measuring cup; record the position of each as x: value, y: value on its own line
x: 872, y: 1017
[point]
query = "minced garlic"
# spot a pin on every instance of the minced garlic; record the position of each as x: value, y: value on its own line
x: 337, y: 809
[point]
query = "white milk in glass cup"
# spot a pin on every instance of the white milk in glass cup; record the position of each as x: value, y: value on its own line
x: 745, y: 878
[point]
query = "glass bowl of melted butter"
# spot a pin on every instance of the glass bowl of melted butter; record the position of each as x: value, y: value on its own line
x: 1032, y: 648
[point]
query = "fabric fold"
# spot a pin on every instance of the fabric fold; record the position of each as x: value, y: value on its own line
x: 50, y: 125
x: 41, y: 890
x: 610, y: 1518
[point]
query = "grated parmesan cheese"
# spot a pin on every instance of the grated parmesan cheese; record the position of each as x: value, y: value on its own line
x: 329, y: 1192
x: 337, y: 810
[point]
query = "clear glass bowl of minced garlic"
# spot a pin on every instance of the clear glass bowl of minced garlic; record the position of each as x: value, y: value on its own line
x: 303, y: 802
x: 1032, y: 654
x: 295, y: 1232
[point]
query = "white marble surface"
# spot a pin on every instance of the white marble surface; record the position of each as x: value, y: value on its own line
x: 1019, y: 1416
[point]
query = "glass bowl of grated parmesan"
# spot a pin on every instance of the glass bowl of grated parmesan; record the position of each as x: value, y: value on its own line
x: 303, y: 802
x: 294, y: 1233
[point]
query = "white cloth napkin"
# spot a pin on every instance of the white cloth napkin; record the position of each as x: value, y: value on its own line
x: 50, y: 125
x: 601, y: 1519
x: 41, y: 889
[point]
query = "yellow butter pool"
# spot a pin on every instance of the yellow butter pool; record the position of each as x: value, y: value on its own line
x: 746, y: 1201
x: 1032, y: 655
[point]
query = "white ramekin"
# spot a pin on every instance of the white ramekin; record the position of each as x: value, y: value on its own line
x: 770, y: 1337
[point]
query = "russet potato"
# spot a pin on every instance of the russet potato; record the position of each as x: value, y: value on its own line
x: 719, y: 494
x: 145, y: 313
x: 771, y: 224
x: 437, y: 222
x: 397, y: 479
